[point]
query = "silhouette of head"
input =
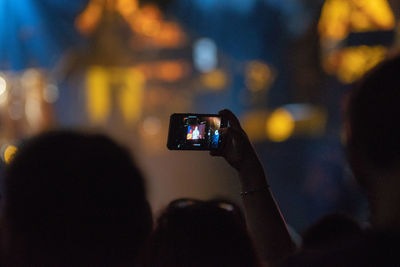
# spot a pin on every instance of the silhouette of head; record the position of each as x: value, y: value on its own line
x: 372, y: 121
x: 201, y: 233
x: 331, y: 231
x: 74, y: 199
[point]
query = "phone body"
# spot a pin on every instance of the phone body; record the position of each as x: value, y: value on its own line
x: 190, y: 131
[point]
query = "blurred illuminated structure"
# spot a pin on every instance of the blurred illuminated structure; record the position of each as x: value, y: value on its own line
x: 355, y: 36
x: 135, y: 66
x: 32, y: 41
x: 26, y: 99
x: 139, y: 67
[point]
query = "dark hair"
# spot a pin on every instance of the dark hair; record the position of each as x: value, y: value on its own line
x: 201, y: 233
x: 331, y: 231
x: 74, y: 199
x: 372, y: 113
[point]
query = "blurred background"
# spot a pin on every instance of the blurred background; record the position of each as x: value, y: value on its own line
x: 123, y: 66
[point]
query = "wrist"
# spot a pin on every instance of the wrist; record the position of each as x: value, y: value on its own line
x: 252, y: 176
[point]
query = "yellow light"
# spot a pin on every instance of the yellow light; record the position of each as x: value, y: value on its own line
x: 340, y: 17
x: 258, y: 76
x: 356, y: 61
x: 372, y: 15
x: 9, y: 153
x: 216, y: 79
x: 131, y: 94
x: 280, y: 125
x: 98, y: 94
x: 334, y: 19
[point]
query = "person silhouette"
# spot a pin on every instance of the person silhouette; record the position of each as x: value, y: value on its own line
x: 73, y: 199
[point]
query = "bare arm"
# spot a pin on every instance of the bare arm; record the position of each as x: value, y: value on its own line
x: 265, y: 222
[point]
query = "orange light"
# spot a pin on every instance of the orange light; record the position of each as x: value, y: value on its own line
x: 170, y: 71
x: 87, y: 21
x: 127, y: 7
x: 147, y: 21
x: 170, y: 35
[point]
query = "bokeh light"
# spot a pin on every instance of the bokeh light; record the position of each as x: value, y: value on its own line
x: 3, y: 85
x: 205, y: 55
x: 280, y: 125
x: 259, y: 76
x: 339, y: 17
x: 216, y: 79
x: 355, y: 61
x: 9, y: 153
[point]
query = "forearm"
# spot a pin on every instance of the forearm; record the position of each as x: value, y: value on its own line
x: 265, y: 222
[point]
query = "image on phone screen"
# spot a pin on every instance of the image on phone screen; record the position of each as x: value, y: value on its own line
x: 194, y: 131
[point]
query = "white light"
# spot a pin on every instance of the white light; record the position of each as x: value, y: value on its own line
x: 205, y: 55
x: 3, y: 85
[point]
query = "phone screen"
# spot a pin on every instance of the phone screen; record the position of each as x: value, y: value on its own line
x: 194, y: 131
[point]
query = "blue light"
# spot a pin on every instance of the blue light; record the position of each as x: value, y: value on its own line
x: 205, y: 55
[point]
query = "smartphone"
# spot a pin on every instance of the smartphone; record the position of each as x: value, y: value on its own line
x: 188, y: 131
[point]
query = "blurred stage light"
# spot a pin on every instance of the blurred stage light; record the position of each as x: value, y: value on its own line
x: 98, y: 94
x: 259, y: 76
x: 285, y: 122
x: 127, y: 7
x: 3, y: 85
x: 280, y: 125
x: 126, y: 84
x: 205, y: 55
x: 347, y: 28
x: 170, y: 71
x: 170, y: 35
x: 356, y: 61
x: 87, y: 21
x: 216, y: 79
x: 340, y: 17
x: 147, y: 21
x: 9, y: 153
x: 309, y: 120
x: 130, y: 93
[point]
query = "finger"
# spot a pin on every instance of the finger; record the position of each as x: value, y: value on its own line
x: 229, y: 116
x: 224, y: 135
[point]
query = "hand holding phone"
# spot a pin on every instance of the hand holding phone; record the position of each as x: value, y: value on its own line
x: 237, y: 148
x: 188, y: 131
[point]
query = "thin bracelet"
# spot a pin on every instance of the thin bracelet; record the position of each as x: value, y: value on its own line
x: 250, y: 192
